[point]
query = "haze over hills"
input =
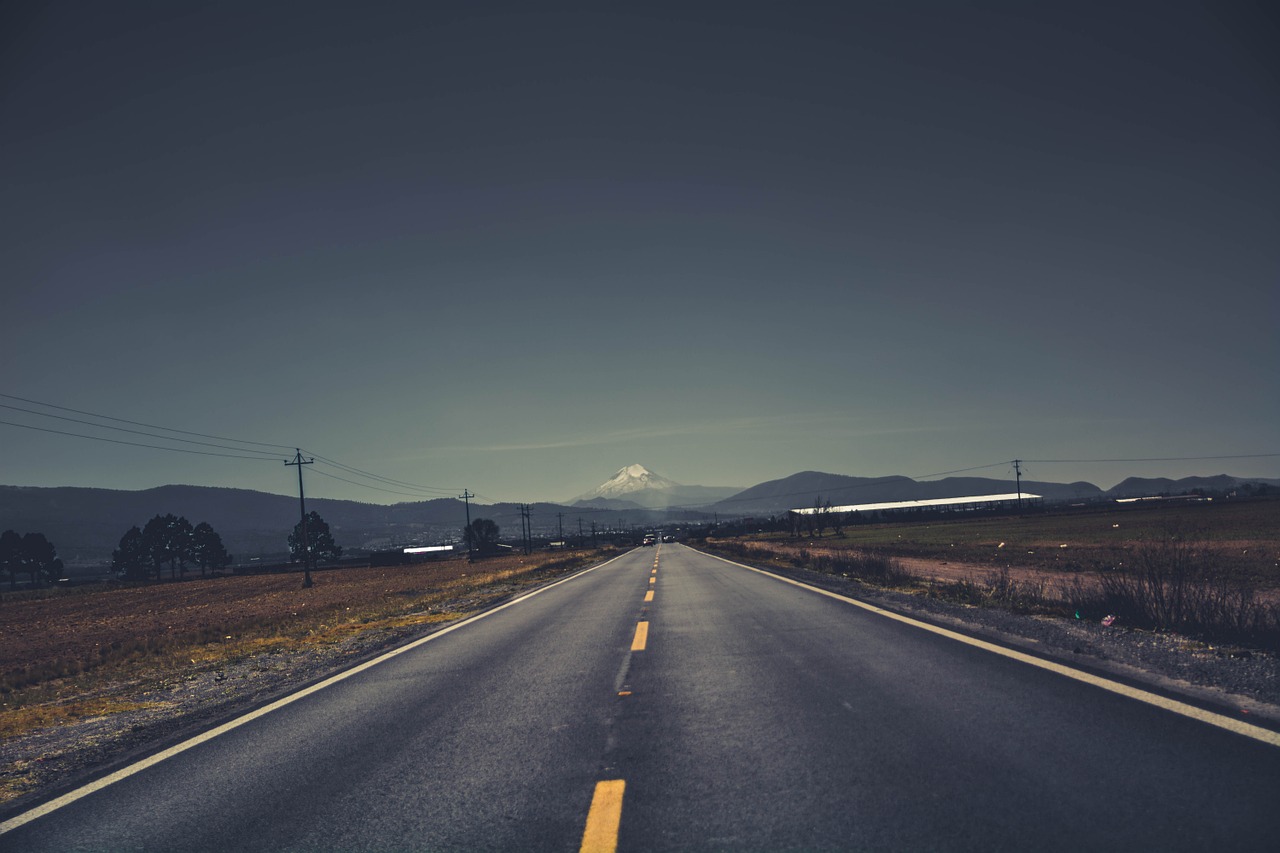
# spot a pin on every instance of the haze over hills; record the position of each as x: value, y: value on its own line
x: 86, y: 524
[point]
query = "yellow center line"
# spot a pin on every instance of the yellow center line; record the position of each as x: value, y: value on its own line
x: 651, y: 580
x: 604, y: 817
x: 642, y: 637
x: 648, y: 596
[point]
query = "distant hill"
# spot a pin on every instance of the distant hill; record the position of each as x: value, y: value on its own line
x: 801, y: 490
x: 86, y: 524
x: 605, y: 503
x: 1140, y: 487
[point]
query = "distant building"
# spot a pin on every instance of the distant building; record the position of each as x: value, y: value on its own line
x: 976, y: 502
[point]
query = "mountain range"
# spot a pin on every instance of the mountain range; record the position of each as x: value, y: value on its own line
x: 86, y: 524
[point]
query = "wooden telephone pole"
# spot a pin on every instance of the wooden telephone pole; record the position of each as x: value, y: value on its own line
x: 1017, y: 470
x: 471, y: 534
x: 302, y: 505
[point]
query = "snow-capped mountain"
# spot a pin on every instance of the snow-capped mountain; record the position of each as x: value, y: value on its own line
x: 637, y: 485
x: 633, y: 478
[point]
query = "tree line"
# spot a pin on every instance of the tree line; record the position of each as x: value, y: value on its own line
x: 171, y: 542
x: 28, y: 554
x: 168, y: 541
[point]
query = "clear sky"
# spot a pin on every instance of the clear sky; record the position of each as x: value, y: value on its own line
x: 515, y: 247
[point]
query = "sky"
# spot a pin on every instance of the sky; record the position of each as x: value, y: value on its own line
x: 512, y: 248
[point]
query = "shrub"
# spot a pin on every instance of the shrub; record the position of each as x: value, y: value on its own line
x: 1176, y: 583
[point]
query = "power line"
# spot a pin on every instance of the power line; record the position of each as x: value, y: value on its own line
x: 138, y: 423
x: 137, y: 443
x: 134, y: 431
x: 365, y: 485
x: 378, y: 477
x: 241, y: 452
x: 1163, y: 458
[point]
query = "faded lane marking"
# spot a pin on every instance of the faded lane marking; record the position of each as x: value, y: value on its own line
x: 604, y: 817
x: 641, y: 637
x: 1183, y: 709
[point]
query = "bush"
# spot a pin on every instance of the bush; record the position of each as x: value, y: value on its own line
x: 1175, y: 583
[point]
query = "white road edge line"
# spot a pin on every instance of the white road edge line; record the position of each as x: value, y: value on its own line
x: 151, y: 760
x: 1211, y: 718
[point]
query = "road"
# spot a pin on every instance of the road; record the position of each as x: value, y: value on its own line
x: 752, y: 715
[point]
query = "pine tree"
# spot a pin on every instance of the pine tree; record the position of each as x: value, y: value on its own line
x: 207, y: 549
x: 130, y: 560
x: 323, y: 548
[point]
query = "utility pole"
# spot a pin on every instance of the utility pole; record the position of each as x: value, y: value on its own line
x: 1017, y: 470
x: 560, y: 522
x: 302, y: 506
x: 470, y: 534
x: 526, y: 528
x: 580, y: 540
x: 594, y: 543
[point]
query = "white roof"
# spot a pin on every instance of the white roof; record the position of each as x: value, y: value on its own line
x: 932, y: 502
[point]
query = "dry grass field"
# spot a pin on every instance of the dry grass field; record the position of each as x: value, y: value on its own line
x: 1209, y: 569
x: 61, y: 651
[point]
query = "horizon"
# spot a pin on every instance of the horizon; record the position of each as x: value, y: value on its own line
x: 500, y: 250
x: 477, y: 502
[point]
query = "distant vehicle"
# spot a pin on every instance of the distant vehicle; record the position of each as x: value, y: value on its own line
x: 668, y: 538
x: 648, y: 540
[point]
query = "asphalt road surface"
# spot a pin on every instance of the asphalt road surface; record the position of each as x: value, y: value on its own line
x: 731, y: 711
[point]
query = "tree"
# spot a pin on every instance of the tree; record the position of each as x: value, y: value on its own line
x: 11, y: 556
x: 131, y: 560
x: 207, y: 549
x: 481, y: 534
x: 168, y: 540
x: 821, y: 513
x: 318, y: 537
x: 796, y: 521
x: 39, y: 558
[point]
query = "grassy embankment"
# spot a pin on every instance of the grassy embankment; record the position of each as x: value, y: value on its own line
x: 71, y: 654
x: 1209, y: 570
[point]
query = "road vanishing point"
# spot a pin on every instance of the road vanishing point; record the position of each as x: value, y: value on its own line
x: 670, y: 700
